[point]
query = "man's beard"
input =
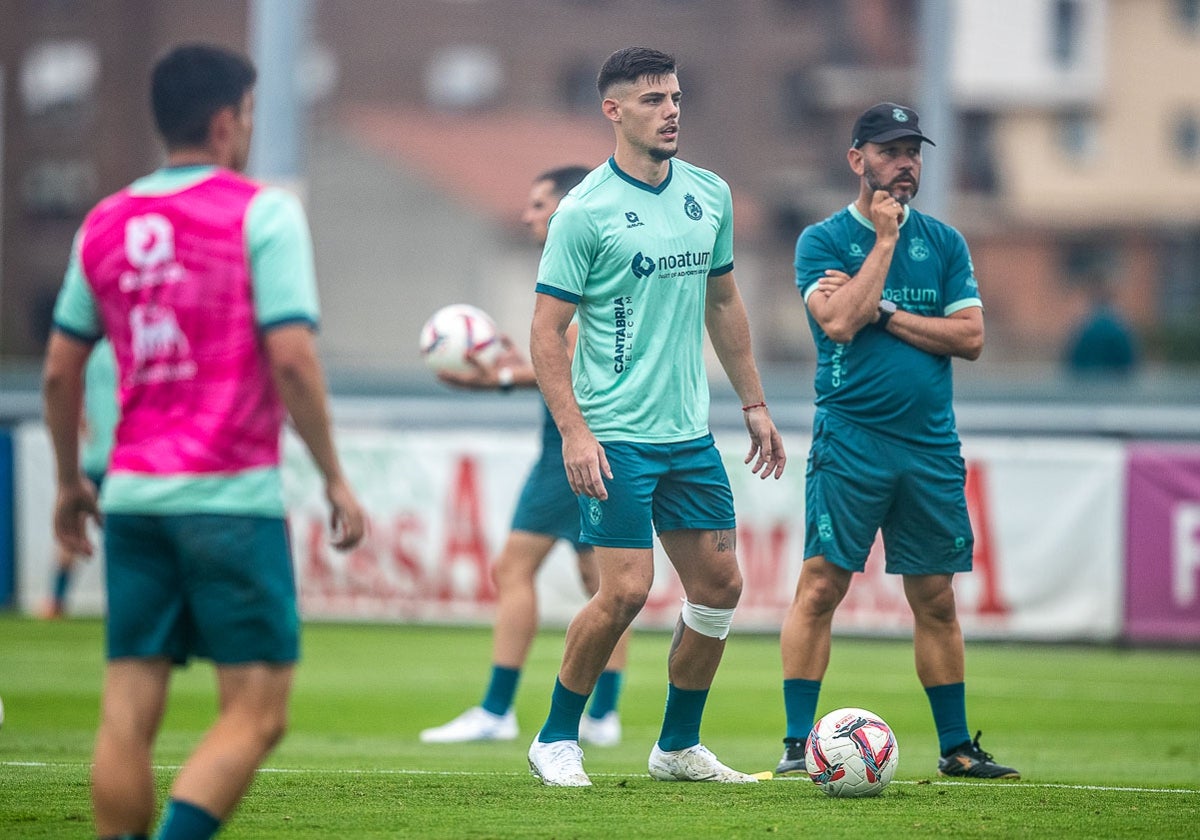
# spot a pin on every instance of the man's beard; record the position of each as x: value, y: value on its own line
x: 662, y: 154
x: 874, y: 183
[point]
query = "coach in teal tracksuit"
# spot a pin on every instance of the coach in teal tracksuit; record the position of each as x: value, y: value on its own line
x: 891, y: 297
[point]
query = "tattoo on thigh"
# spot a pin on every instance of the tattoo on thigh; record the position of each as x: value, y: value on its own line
x: 724, y: 540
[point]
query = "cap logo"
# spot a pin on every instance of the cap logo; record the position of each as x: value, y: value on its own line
x: 898, y: 115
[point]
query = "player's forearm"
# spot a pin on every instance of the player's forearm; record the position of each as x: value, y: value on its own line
x: 551, y: 358
x: 62, y: 411
x: 852, y: 306
x: 301, y: 386
x: 960, y: 337
x: 307, y: 406
x: 729, y: 330
x: 62, y: 397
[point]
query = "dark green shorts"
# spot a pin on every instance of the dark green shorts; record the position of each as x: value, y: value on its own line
x: 547, y: 504
x: 667, y: 486
x: 859, y: 483
x: 200, y: 585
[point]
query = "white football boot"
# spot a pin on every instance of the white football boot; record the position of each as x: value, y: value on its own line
x: 558, y: 764
x: 694, y: 764
x: 475, y: 724
x: 600, y: 732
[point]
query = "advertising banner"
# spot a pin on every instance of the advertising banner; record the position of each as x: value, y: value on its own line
x: 1162, y: 571
x: 1047, y: 514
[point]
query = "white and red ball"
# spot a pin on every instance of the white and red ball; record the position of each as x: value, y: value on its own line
x: 456, y: 331
x: 851, y: 752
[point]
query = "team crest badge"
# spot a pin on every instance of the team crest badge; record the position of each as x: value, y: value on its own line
x: 918, y: 250
x: 692, y: 207
x: 898, y: 115
x: 595, y: 512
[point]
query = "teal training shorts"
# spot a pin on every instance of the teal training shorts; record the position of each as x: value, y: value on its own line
x: 200, y: 585
x: 667, y: 486
x: 859, y: 483
x: 547, y: 504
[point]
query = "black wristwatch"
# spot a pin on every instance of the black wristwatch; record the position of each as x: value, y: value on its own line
x: 887, y: 308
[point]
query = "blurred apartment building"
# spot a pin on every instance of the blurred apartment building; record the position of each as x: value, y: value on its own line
x: 1075, y: 147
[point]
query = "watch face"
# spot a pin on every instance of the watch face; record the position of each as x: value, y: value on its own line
x: 887, y: 306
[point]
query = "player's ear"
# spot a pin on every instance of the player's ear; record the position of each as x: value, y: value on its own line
x: 221, y: 125
x: 855, y: 158
x: 612, y: 109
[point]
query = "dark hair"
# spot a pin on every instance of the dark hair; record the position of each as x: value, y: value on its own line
x: 631, y: 64
x: 562, y: 179
x: 190, y: 84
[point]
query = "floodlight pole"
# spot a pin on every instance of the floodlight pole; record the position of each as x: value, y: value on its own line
x: 935, y: 103
x: 278, y: 35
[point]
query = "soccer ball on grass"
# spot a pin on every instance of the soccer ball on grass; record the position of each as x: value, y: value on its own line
x: 851, y: 752
x: 456, y: 331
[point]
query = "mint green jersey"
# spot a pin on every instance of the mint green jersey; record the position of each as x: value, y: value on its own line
x: 636, y: 260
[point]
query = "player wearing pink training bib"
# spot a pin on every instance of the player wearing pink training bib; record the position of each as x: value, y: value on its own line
x: 203, y: 281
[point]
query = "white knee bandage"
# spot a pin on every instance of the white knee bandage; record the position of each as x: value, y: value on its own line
x: 707, y: 621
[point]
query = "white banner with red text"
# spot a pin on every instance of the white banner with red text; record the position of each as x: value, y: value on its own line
x: 1048, y: 516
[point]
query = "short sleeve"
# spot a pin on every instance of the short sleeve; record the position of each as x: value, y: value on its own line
x: 962, y: 289
x: 722, y: 258
x: 814, y: 254
x: 281, y: 260
x: 571, y: 245
x: 75, y: 311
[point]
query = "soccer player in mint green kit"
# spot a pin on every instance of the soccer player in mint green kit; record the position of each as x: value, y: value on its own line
x: 891, y: 297
x: 642, y: 252
x: 203, y: 282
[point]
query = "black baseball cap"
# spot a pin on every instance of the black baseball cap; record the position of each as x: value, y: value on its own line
x: 885, y: 122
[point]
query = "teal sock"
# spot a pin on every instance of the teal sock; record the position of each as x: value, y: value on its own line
x: 949, y: 704
x: 566, y: 707
x: 681, y: 720
x: 605, y: 694
x: 800, y: 706
x: 501, y: 689
x: 185, y: 821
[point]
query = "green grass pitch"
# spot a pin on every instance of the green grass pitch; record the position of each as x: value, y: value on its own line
x: 1107, y: 740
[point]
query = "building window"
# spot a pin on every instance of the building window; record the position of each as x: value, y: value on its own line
x: 1065, y: 31
x: 59, y: 189
x: 59, y: 76
x: 797, y: 92
x: 1077, y: 135
x: 1180, y: 294
x: 577, y: 85
x: 977, y: 158
x: 1187, y: 12
x: 1187, y: 138
x: 463, y: 77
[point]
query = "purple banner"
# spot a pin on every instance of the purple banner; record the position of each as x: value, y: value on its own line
x: 1162, y: 567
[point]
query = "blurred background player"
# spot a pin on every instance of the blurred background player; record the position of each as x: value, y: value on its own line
x: 891, y: 297
x: 96, y: 433
x: 546, y: 512
x: 1102, y: 344
x: 204, y: 282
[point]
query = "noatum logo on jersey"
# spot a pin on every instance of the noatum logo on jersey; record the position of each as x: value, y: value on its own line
x: 672, y: 265
x: 642, y: 266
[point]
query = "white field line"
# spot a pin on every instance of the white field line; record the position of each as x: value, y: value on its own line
x: 1014, y: 785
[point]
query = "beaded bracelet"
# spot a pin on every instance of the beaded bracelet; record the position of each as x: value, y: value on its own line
x: 754, y: 405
